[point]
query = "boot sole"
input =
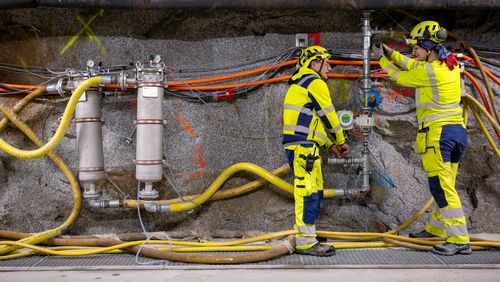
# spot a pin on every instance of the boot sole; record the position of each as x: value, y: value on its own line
x: 309, y: 253
x: 461, y: 252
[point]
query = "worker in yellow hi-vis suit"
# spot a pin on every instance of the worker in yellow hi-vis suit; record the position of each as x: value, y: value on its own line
x: 441, y: 137
x: 308, y: 117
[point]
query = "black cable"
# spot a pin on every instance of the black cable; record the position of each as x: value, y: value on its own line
x: 13, y: 90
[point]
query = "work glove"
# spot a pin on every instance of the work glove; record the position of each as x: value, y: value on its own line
x: 387, y: 51
x: 379, y: 48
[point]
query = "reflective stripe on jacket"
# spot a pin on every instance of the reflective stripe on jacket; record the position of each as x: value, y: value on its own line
x: 437, y: 87
x: 308, y: 112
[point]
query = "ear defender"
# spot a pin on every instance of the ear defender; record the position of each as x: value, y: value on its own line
x: 441, y: 34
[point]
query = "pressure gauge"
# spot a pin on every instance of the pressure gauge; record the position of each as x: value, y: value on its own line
x: 346, y: 119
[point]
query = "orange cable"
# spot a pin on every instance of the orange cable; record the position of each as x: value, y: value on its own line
x: 22, y: 86
x: 235, y: 75
x: 180, y: 85
x: 230, y: 86
x: 480, y: 90
x: 260, y: 82
x: 488, y: 73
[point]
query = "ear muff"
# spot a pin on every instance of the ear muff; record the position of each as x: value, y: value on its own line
x: 441, y: 34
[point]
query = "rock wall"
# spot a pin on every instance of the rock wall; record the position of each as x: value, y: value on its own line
x: 35, y: 196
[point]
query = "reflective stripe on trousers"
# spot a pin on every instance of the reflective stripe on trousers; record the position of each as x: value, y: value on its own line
x: 445, y: 148
x: 308, y: 192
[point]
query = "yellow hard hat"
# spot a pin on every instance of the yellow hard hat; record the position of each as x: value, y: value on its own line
x: 312, y: 53
x: 427, y: 30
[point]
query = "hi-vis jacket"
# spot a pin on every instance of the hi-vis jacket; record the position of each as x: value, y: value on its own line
x: 437, y: 87
x: 309, y: 113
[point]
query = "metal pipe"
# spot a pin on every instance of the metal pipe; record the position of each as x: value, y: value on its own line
x: 365, y: 78
x: 365, y: 187
x: 249, y: 4
x: 364, y: 161
x: 345, y: 161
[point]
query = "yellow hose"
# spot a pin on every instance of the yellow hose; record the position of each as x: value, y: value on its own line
x: 63, y: 126
x: 21, y: 104
x: 466, y: 113
x: 486, y: 133
x: 77, y: 200
x: 413, y: 218
x: 237, y: 191
x: 219, y: 181
x: 484, y: 111
x: 486, y: 83
x: 222, y: 246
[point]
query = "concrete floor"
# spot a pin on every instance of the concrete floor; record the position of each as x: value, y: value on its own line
x: 275, y: 275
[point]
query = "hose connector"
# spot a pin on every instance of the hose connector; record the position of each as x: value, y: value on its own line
x: 150, y: 206
x: 103, y: 204
x: 59, y: 87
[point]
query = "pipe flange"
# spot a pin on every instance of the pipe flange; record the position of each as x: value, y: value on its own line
x: 123, y: 80
x: 148, y: 195
x: 90, y: 195
x: 58, y: 87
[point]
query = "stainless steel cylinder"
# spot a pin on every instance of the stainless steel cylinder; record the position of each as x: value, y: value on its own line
x: 149, y: 158
x: 88, y: 117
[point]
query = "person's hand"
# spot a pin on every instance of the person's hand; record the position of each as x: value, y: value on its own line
x: 340, y: 150
x: 377, y: 49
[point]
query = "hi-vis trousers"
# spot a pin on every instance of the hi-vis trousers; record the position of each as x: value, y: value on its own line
x: 444, y: 148
x: 308, y: 192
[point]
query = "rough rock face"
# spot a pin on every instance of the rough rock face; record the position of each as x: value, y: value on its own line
x: 34, y: 195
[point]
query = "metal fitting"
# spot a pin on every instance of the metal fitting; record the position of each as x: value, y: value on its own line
x: 101, y: 203
x: 150, y: 206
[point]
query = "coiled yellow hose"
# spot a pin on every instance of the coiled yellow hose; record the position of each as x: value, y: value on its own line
x: 63, y: 126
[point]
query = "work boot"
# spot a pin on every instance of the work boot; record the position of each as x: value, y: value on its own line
x: 319, y: 250
x: 449, y: 249
x: 421, y: 234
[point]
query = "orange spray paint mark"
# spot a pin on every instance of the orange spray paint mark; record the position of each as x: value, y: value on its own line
x: 199, y: 152
x: 186, y: 125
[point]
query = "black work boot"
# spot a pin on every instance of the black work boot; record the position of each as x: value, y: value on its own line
x: 319, y: 250
x: 421, y: 234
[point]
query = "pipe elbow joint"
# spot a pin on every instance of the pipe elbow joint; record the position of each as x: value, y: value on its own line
x: 97, y: 203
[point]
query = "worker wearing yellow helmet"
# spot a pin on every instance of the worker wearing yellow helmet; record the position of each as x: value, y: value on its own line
x: 309, y: 118
x: 441, y: 137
